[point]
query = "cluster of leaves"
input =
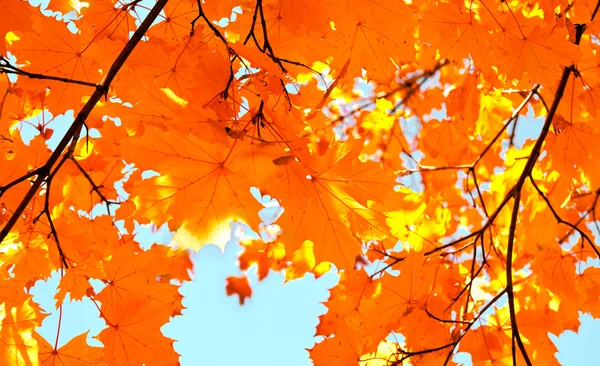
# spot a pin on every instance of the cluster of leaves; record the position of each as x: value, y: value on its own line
x: 391, y: 133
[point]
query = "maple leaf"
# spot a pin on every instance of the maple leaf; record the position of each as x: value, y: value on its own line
x: 174, y: 25
x: 137, y: 301
x: 265, y: 255
x: 201, y: 186
x: 459, y: 32
x: 17, y: 345
x: 330, y: 205
x: 16, y: 16
x: 406, y: 297
x: 342, y: 349
x: 557, y: 270
x: 54, y: 50
x: 543, y: 49
x: 573, y: 148
x: 108, y: 19
x: 146, y: 273
x: 19, y: 160
x: 75, y: 352
x: 133, y: 335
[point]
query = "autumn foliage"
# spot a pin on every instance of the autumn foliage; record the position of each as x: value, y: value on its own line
x: 441, y: 156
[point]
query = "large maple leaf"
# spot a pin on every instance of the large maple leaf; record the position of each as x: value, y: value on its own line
x: 201, y: 186
x: 75, y: 352
x: 330, y: 205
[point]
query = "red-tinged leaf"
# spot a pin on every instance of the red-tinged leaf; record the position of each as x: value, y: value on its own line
x: 238, y: 286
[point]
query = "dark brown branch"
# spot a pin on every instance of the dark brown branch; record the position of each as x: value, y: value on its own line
x: 537, y: 148
x: 232, y: 54
x: 479, y: 192
x: 511, y: 139
x: 427, y: 168
x: 474, y: 275
x: 408, y: 354
x: 7, y: 186
x: 101, y: 90
x: 202, y: 15
x: 509, y: 280
x: 450, y: 321
x: 542, y: 100
x: 595, y: 11
x: 513, y: 193
x: 251, y: 34
x: 267, y: 48
x: 424, y: 77
x: 516, y: 191
x: 469, y: 326
x: 395, y: 261
x: 479, y: 232
x: 471, y: 167
x: 46, y: 211
x: 53, y: 231
x: 513, y: 117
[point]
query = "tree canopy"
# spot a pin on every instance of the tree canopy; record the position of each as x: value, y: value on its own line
x: 440, y: 155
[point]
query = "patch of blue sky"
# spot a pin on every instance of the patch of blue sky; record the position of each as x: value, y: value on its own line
x: 274, y: 327
x: 77, y: 317
x: 579, y: 348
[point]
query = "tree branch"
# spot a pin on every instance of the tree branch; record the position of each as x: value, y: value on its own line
x: 516, y: 192
x: 101, y: 90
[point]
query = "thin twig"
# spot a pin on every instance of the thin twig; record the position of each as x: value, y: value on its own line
x: 95, y: 187
x: 584, y: 236
x: 7, y: 68
x: 24, y: 177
